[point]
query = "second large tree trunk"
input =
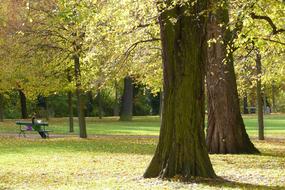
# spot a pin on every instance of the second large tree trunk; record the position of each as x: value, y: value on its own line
x: 80, y: 99
x: 126, y: 112
x: 226, y: 131
x: 181, y: 150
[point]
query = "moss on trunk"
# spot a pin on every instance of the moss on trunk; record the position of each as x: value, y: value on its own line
x: 181, y: 150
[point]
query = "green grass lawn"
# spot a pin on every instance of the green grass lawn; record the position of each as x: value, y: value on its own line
x: 274, y: 126
x: 119, y: 163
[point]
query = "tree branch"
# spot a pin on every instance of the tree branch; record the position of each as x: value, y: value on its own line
x: 270, y: 22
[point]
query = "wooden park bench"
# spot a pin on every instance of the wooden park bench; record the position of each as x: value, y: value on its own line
x: 37, y: 126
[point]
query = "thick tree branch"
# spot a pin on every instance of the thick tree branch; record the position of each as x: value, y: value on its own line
x: 270, y: 22
x: 134, y: 45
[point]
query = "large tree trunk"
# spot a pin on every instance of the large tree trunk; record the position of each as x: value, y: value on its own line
x: 23, y: 101
x: 70, y: 112
x: 80, y: 99
x: 126, y: 113
x: 1, y: 108
x: 259, y: 98
x: 226, y: 131
x: 181, y: 150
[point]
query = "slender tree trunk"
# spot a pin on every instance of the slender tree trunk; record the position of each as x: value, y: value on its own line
x: 100, y: 106
x: 116, y: 105
x: 245, y: 105
x: 1, y: 108
x: 181, y: 150
x: 259, y: 98
x: 70, y: 103
x: 80, y: 99
x: 23, y: 101
x: 226, y: 131
x: 273, y: 108
x: 127, y: 100
x: 89, y: 104
x: 46, y: 112
x: 70, y: 112
x: 264, y: 103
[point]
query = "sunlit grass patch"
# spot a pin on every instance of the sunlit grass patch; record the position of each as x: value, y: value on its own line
x: 119, y: 163
x: 144, y: 126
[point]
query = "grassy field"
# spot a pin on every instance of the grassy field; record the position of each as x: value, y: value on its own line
x: 119, y: 163
x: 274, y: 126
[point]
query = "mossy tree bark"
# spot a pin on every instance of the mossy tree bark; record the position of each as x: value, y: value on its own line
x: 181, y: 150
x: 126, y: 112
x: 23, y: 101
x: 80, y: 99
x: 226, y: 130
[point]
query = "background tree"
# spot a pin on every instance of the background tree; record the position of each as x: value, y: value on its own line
x: 226, y: 131
x: 262, y: 36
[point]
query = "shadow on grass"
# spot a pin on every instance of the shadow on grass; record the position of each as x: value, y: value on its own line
x: 277, y: 155
x: 224, y: 183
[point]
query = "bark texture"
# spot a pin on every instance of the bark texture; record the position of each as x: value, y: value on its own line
x: 23, y: 101
x: 259, y: 98
x: 126, y: 113
x: 226, y: 130
x: 181, y: 150
x: 80, y: 99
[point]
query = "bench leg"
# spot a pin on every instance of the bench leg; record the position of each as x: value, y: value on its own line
x: 23, y: 133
